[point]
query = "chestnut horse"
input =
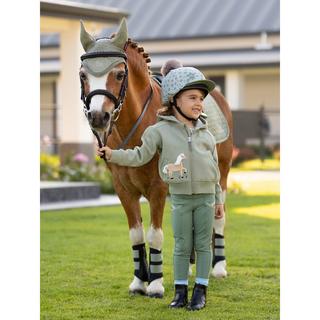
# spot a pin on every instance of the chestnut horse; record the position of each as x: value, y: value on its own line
x: 121, y: 100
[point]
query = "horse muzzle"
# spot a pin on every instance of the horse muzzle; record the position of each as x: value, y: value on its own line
x: 98, y: 120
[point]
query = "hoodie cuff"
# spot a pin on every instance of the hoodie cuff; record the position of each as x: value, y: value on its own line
x: 219, y: 198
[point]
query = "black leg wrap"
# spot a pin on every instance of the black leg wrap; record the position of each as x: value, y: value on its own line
x: 140, y: 262
x: 218, y: 249
x: 155, y: 267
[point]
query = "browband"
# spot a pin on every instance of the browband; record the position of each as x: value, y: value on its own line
x: 106, y: 54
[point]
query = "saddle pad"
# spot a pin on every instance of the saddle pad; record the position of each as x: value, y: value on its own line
x: 217, y: 123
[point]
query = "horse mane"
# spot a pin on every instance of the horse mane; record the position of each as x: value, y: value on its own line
x: 141, y: 52
x: 141, y: 63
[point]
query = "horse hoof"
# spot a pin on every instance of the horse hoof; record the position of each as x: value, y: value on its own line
x: 155, y: 295
x: 137, y: 292
x: 137, y: 286
x: 219, y: 270
x: 155, y: 288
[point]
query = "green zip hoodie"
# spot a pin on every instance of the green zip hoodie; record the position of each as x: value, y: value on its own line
x: 188, y: 157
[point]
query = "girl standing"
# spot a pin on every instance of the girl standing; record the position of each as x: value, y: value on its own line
x: 189, y: 164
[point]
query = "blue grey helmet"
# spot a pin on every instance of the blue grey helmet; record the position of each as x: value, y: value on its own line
x: 184, y: 78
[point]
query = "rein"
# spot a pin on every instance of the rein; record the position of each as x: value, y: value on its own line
x: 118, y: 102
x: 135, y: 126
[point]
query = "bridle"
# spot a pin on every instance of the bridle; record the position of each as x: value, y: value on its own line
x: 118, y: 102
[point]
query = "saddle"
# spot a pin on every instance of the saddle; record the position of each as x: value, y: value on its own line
x: 217, y: 123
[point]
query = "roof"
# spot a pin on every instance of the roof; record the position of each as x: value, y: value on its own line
x: 220, y: 59
x: 76, y: 10
x: 216, y: 59
x: 180, y: 19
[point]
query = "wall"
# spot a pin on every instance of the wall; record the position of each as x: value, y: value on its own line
x: 261, y: 89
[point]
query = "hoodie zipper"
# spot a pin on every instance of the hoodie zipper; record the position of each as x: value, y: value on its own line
x: 189, y: 132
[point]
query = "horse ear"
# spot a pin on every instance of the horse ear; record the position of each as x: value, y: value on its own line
x: 87, y: 40
x: 121, y: 37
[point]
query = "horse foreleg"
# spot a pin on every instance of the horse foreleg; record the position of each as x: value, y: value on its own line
x: 136, y: 233
x: 155, y: 240
x: 140, y: 261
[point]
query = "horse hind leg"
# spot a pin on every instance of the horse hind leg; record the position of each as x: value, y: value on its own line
x: 155, y: 288
x: 219, y: 263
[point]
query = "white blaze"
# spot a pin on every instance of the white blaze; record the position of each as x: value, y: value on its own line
x: 95, y: 84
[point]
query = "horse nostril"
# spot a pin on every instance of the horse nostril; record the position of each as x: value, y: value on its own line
x: 89, y: 115
x: 106, y: 116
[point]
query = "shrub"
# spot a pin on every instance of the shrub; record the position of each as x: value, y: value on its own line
x: 276, y: 152
x: 243, y: 154
x: 246, y: 153
x: 76, y: 168
x: 235, y: 187
x: 257, y: 164
x: 49, y: 167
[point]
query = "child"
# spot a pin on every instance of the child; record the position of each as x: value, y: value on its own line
x: 189, y: 164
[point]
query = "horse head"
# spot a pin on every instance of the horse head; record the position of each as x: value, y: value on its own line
x: 103, y: 76
x: 182, y: 156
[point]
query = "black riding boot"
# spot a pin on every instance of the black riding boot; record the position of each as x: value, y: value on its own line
x: 198, y: 300
x: 181, y: 296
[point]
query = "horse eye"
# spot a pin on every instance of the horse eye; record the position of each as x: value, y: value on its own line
x: 120, y: 76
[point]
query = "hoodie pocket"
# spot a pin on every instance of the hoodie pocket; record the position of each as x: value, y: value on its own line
x: 206, y: 168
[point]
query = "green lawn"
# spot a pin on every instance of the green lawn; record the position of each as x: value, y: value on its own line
x: 86, y: 265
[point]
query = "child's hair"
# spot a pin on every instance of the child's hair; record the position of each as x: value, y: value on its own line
x: 170, y: 65
x: 165, y: 69
x: 165, y: 111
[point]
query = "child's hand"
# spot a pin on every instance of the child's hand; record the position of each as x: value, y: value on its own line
x: 107, y: 151
x: 219, y: 211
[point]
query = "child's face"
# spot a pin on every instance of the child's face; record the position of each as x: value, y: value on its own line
x: 191, y: 102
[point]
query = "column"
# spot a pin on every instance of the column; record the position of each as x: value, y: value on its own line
x: 74, y: 131
x: 234, y: 89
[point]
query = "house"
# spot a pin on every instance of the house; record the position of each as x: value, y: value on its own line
x: 236, y: 43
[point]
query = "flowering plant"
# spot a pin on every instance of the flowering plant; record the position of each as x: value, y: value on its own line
x: 76, y: 168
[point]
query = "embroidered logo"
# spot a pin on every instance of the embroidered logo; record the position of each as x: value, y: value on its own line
x: 177, y: 166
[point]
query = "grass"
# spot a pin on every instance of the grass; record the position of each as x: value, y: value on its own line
x: 86, y: 264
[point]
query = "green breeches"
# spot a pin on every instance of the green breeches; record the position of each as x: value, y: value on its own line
x: 192, y: 222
